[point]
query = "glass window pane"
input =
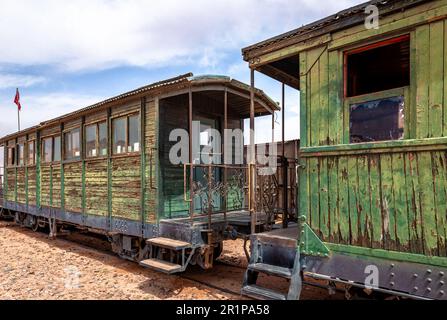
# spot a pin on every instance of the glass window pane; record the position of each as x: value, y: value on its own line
x: 377, y: 120
x: 103, y: 139
x: 47, y: 150
x: 57, y: 149
x: 119, y: 135
x: 90, y: 140
x: 11, y: 156
x: 31, y: 153
x: 76, y: 138
x: 21, y: 154
x: 134, y: 134
x: 72, y: 145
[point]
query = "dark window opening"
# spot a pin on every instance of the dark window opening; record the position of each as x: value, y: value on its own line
x: 378, y: 67
x: 377, y: 120
x: 11, y: 156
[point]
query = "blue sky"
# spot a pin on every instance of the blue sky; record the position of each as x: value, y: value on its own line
x: 65, y: 55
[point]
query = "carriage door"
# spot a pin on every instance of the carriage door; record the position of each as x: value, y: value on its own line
x: 201, y: 170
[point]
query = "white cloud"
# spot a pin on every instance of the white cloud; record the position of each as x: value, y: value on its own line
x: 39, y: 108
x: 17, y: 80
x: 97, y: 34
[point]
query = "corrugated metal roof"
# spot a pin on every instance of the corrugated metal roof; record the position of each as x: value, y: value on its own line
x: 187, y: 79
x: 343, y: 19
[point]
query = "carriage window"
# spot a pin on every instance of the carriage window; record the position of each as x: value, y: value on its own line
x: 72, y: 145
x: 47, y: 150
x: 90, y: 141
x: 119, y: 135
x: 57, y: 149
x: 21, y: 153
x: 134, y: 134
x: 126, y: 135
x: 11, y: 156
x: 377, y: 120
x: 103, y: 139
x: 96, y: 140
x: 31, y: 154
x: 378, y: 67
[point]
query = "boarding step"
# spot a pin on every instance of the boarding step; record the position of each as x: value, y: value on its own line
x: 161, y: 265
x: 260, y: 293
x: 271, y: 270
x: 169, y: 243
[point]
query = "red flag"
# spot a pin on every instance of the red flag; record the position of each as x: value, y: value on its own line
x: 17, y: 99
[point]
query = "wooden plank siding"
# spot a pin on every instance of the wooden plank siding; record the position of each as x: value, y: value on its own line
x: 96, y: 187
x: 151, y: 150
x: 381, y: 201
x: 73, y: 187
x: 126, y: 188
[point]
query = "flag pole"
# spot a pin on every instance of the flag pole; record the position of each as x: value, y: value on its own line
x: 18, y: 118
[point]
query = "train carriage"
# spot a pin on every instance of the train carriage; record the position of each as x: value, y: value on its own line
x: 372, y: 174
x: 107, y: 169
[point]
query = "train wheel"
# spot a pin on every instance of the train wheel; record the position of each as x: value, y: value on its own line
x: 34, y: 223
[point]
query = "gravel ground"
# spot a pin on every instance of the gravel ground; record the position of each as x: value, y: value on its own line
x: 35, y: 267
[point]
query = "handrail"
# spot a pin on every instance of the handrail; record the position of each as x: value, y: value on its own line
x: 184, y: 182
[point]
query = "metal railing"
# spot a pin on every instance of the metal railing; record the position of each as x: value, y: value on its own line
x: 211, y: 189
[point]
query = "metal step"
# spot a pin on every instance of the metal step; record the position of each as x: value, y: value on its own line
x: 161, y: 265
x: 271, y: 270
x: 169, y: 243
x: 257, y: 292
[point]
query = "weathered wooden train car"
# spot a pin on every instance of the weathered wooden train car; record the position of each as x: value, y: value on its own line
x: 106, y: 168
x: 373, y: 164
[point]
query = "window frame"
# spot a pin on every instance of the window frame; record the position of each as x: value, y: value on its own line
x: 378, y: 95
x: 402, y: 91
x: 11, y: 163
x: 127, y: 117
x: 367, y: 47
x: 64, y: 142
x: 42, y: 146
x: 21, y: 162
x: 97, y: 125
x: 28, y: 143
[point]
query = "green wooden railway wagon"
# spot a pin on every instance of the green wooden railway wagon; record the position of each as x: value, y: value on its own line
x: 372, y: 174
x: 106, y: 168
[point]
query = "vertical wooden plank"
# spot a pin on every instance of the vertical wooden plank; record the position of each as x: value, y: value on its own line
x: 323, y: 91
x: 436, y: 92
x: 444, y: 106
x: 427, y: 204
x: 400, y: 202
x: 314, y: 108
x: 343, y: 196
x: 335, y: 108
x: 314, y: 205
x: 422, y: 80
x: 333, y: 199
x: 375, y: 201
x: 304, y: 132
x: 388, y: 205
x: 354, y: 212
x: 364, y: 198
x: 324, y: 198
x: 439, y: 191
x: 413, y: 204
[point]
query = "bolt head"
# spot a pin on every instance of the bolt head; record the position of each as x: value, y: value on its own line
x: 429, y: 271
x: 428, y: 289
x: 441, y: 273
x: 415, y: 275
x: 415, y: 288
x: 441, y: 282
x: 441, y: 292
x: 429, y: 280
x: 392, y: 265
x: 392, y: 284
x: 392, y: 274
